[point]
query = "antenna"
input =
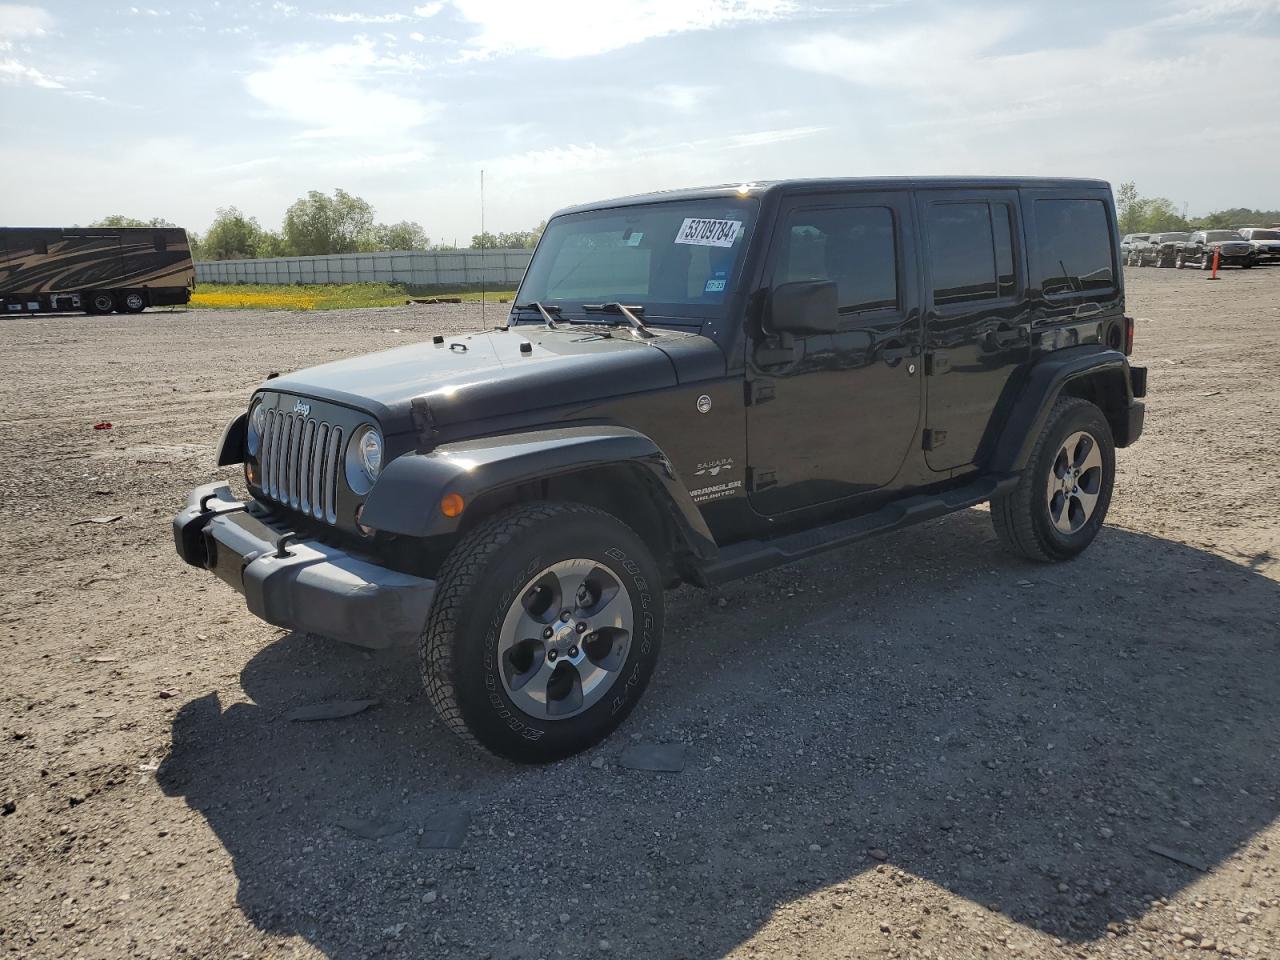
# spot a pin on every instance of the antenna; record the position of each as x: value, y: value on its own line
x: 484, y: 249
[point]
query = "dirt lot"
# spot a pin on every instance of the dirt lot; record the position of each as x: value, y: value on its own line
x: 1009, y: 739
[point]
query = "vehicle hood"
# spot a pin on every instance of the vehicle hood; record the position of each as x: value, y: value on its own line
x: 499, y: 372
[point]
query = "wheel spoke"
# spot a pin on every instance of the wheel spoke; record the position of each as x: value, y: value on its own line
x: 1087, y: 502
x: 613, y: 611
x: 1088, y: 455
x: 1060, y: 513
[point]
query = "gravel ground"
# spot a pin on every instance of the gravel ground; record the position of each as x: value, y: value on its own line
x: 914, y: 748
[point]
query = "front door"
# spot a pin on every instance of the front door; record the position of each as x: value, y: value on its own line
x: 833, y: 415
x: 977, y: 326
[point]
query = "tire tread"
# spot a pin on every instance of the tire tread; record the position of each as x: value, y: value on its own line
x: 1012, y: 514
x: 461, y: 569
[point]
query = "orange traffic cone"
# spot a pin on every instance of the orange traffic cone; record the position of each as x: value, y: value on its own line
x: 1214, y: 274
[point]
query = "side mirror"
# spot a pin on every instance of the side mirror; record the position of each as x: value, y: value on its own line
x: 804, y: 306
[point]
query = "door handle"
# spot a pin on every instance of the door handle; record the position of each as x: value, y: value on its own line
x: 893, y: 352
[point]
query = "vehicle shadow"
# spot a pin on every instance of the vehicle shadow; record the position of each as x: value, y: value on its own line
x: 1021, y: 735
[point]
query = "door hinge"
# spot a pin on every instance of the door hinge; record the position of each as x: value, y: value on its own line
x: 758, y: 479
x: 933, y: 439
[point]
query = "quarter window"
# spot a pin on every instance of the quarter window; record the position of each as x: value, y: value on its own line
x: 970, y: 251
x: 854, y: 246
x: 1073, y: 246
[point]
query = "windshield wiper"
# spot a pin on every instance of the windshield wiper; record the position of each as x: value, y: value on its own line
x: 545, y: 311
x: 638, y: 329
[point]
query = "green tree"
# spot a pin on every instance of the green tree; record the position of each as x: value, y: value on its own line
x: 318, y: 224
x: 484, y: 241
x: 271, y: 244
x: 120, y: 220
x: 193, y: 241
x: 231, y: 236
x: 1129, y: 209
x: 405, y: 235
x: 1236, y: 217
x: 1160, y: 216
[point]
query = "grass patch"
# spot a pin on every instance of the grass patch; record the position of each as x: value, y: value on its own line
x: 318, y: 296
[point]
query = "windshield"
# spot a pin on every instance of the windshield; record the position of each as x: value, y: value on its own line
x: 1222, y: 235
x: 677, y: 260
x: 1264, y: 235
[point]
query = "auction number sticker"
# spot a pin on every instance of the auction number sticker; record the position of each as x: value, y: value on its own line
x: 709, y: 233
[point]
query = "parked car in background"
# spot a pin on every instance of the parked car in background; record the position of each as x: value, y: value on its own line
x: 1134, y: 247
x: 1129, y: 241
x: 1265, y: 243
x: 1199, y: 248
x: 1160, y: 250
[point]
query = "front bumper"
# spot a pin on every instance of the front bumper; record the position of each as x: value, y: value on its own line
x: 302, y: 585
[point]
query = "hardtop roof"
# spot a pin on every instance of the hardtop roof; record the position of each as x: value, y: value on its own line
x: 759, y: 188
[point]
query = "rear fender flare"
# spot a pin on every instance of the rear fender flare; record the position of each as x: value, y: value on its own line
x: 1046, y: 382
x: 406, y: 498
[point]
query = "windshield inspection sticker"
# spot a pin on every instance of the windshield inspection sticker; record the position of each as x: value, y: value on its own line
x: 713, y: 286
x: 709, y: 233
x: 634, y: 238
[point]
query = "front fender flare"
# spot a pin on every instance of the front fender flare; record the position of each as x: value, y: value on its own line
x: 406, y: 498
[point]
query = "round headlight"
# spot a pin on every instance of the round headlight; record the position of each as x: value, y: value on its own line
x: 364, y: 459
x: 257, y: 427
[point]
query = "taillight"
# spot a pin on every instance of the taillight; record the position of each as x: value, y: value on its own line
x: 1128, y: 336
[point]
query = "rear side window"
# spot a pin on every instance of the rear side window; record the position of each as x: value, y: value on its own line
x: 1073, y: 246
x: 854, y: 246
x: 970, y: 251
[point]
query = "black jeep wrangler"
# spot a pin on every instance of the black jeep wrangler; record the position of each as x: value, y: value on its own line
x: 691, y: 386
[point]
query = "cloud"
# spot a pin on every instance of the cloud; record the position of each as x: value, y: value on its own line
x: 341, y: 91
x: 20, y: 22
x: 363, y: 17
x: 11, y: 71
x: 428, y: 10
x: 574, y: 28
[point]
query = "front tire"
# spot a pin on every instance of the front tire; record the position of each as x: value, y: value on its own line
x: 1061, y: 500
x: 544, y: 631
x: 1180, y: 260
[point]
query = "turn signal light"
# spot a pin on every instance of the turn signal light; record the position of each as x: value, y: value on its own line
x: 451, y: 505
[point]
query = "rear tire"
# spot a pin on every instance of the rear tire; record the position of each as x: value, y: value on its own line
x: 132, y: 303
x: 503, y: 667
x: 1062, y: 497
x: 100, y: 301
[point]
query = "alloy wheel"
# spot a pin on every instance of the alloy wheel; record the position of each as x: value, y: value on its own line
x: 1074, y: 483
x: 565, y: 639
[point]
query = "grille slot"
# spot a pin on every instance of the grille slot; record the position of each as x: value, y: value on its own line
x: 300, y: 463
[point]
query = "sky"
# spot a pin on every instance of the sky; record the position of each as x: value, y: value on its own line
x: 176, y: 109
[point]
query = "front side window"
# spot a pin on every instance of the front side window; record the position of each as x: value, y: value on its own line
x: 679, y: 258
x: 970, y: 251
x: 1073, y: 246
x: 854, y: 246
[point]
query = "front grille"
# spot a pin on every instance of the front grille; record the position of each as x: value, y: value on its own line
x: 301, y: 457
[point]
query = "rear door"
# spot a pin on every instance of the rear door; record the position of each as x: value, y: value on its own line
x: 977, y: 324
x: 833, y: 415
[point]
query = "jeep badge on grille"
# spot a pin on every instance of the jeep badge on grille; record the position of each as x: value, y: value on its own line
x: 302, y: 408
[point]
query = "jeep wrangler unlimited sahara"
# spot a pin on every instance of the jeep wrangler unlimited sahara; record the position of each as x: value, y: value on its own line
x: 691, y: 386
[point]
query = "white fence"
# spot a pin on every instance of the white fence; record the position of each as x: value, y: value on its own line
x: 454, y: 268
